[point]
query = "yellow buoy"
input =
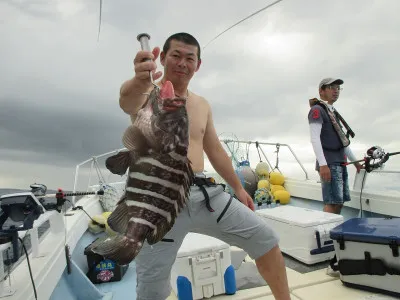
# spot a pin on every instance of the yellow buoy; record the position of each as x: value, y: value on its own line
x: 283, y: 196
x: 276, y: 178
x: 263, y: 183
x: 275, y: 187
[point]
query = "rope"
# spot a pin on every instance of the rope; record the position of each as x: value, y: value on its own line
x: 111, y: 196
x: 98, y: 171
x: 258, y: 150
x: 277, y: 158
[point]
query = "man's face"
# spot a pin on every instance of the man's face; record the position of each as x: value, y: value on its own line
x: 180, y: 62
x: 330, y: 93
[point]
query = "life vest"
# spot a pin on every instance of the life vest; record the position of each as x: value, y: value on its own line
x: 336, y: 120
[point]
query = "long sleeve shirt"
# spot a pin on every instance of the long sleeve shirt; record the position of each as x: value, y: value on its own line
x: 315, y: 132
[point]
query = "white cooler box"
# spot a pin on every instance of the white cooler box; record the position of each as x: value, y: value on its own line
x: 367, y: 251
x: 303, y: 232
x: 202, y: 268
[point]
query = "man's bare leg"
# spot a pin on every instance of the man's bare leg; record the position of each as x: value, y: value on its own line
x: 272, y: 268
x: 333, y: 208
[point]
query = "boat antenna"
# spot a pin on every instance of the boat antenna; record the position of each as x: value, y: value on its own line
x: 242, y: 20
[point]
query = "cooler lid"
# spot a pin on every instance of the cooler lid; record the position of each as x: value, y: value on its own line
x: 196, y: 242
x: 299, y: 216
x: 369, y: 230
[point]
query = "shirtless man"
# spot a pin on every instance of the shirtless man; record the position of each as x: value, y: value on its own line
x: 231, y: 221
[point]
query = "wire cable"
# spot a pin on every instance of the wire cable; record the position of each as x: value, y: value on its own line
x: 29, y: 266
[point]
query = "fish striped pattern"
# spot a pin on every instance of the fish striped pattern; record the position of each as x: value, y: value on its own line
x: 157, y: 189
x: 159, y: 178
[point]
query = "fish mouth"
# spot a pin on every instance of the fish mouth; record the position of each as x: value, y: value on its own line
x: 167, y: 91
x: 167, y: 100
x: 173, y: 104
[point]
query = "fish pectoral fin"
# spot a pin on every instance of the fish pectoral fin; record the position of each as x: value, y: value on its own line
x: 117, y: 248
x: 119, y: 218
x: 119, y: 163
x: 105, y: 245
x: 157, y: 235
x: 134, y: 140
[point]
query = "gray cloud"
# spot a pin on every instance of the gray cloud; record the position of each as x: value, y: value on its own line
x: 69, y: 134
x: 59, y: 86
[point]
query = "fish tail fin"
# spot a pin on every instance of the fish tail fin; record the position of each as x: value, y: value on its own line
x: 118, y: 248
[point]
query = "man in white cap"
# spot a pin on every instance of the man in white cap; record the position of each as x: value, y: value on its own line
x: 331, y: 145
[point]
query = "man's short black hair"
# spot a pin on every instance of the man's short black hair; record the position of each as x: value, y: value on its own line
x: 182, y: 37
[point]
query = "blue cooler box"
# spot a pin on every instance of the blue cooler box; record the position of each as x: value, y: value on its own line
x: 367, y: 254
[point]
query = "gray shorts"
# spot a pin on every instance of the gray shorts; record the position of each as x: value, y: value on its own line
x: 237, y: 226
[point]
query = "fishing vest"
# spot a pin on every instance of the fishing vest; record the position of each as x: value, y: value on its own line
x: 337, y: 121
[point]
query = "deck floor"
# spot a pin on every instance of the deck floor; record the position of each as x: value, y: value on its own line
x: 305, y: 282
x: 312, y: 285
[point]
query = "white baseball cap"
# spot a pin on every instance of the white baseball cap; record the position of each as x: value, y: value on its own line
x: 329, y: 80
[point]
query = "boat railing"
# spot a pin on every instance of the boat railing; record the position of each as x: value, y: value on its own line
x: 260, y: 148
x: 94, y: 159
x: 359, y: 177
x: 93, y: 164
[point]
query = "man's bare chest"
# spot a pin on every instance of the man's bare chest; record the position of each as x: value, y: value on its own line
x: 197, y: 121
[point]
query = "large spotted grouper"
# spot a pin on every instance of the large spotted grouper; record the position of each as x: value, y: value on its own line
x: 159, y: 176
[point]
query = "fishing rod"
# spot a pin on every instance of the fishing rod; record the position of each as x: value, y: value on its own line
x: 100, y: 12
x: 242, y: 20
x: 374, y: 153
x: 60, y: 194
x: 39, y: 190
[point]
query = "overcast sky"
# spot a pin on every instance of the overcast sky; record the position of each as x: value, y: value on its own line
x: 59, y: 86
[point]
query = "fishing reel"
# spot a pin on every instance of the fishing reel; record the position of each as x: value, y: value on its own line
x: 375, y: 158
x: 375, y: 153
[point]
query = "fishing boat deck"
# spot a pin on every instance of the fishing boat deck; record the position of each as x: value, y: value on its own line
x: 53, y: 282
x: 306, y: 282
x: 312, y: 285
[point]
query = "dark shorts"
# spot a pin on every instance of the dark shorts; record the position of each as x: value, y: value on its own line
x: 337, y: 190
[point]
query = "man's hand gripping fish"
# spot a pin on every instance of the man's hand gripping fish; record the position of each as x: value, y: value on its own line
x: 159, y: 178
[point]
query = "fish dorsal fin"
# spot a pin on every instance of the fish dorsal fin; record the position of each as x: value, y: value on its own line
x: 118, y: 163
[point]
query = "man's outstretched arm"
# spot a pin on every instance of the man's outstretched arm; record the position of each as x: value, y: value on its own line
x: 132, y: 91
